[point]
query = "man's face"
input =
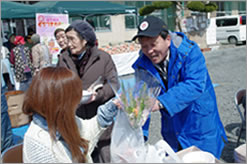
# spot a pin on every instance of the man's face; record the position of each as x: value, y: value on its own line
x: 155, y: 48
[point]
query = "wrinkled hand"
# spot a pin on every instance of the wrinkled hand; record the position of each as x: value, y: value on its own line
x: 117, y: 103
x: 93, y: 97
x: 156, y: 106
x: 90, y: 99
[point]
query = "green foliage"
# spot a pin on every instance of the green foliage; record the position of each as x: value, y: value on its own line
x: 132, y: 100
x: 161, y: 4
x: 135, y: 103
x: 157, y: 5
x: 146, y: 10
x: 143, y: 97
x: 202, y: 7
x: 211, y: 6
x: 191, y: 5
x: 124, y: 98
x: 196, y: 6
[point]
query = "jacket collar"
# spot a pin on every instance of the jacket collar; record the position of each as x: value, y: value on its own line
x: 42, y: 123
x: 144, y: 63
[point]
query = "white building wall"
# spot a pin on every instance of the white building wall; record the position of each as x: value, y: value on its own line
x: 118, y: 33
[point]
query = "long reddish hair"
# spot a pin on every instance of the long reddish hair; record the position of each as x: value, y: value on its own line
x: 55, y: 93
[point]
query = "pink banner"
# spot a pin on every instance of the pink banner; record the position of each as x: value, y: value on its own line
x: 46, y: 24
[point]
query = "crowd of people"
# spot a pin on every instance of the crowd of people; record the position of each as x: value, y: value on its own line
x: 65, y: 130
x: 80, y: 54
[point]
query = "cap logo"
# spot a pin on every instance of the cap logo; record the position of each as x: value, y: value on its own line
x: 144, y: 25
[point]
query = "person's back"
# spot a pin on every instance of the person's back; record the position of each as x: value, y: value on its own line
x: 10, y: 43
x: 20, y: 57
x: 40, y: 54
x: 47, y: 57
x: 55, y: 134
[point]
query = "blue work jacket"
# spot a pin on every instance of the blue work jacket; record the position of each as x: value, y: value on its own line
x: 190, y: 115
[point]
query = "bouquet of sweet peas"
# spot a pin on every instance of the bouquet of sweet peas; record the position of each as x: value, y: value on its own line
x: 137, y: 100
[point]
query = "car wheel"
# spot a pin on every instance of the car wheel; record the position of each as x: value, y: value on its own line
x: 232, y: 40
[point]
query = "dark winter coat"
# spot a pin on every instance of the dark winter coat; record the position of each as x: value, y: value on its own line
x: 99, y: 64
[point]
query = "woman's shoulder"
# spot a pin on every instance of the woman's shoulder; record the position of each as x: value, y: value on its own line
x: 39, y: 148
x: 64, y: 54
x: 99, y: 51
x: 36, y: 48
x: 33, y: 131
x: 64, y: 57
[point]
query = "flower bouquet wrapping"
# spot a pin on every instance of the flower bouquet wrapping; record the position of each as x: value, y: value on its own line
x: 138, y: 99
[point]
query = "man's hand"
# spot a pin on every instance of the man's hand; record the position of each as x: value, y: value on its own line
x: 157, y: 106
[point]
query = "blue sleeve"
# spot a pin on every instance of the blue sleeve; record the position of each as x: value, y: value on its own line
x: 6, y: 129
x: 145, y: 128
x: 106, y: 113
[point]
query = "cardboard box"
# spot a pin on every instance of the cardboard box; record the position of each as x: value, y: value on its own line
x: 15, y: 101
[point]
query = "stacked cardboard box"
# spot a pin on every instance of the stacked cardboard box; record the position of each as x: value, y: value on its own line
x: 15, y: 102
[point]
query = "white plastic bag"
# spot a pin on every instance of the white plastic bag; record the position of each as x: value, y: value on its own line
x: 127, y: 145
x: 161, y: 152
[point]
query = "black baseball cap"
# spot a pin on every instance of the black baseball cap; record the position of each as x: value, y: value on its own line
x: 151, y: 26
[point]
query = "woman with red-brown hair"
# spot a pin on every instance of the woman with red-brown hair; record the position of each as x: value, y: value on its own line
x: 56, y: 134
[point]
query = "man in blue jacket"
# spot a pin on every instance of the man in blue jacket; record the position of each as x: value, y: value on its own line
x: 187, y: 102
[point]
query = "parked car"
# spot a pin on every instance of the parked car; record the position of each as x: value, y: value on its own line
x: 231, y: 28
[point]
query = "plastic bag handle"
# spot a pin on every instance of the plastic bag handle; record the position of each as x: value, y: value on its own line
x: 169, y: 150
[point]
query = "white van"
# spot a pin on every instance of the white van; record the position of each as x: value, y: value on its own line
x: 231, y: 28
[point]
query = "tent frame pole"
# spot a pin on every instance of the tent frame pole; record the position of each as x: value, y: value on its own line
x: 25, y: 26
x: 2, y: 31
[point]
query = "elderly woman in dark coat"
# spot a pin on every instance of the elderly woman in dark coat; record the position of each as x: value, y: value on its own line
x: 90, y: 63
